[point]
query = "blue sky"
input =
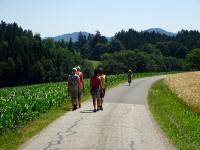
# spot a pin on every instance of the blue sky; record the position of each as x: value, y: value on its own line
x: 56, y: 17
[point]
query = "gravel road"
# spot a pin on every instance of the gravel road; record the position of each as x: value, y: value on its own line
x: 124, y: 124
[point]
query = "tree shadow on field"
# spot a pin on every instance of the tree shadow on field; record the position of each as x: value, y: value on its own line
x: 86, y: 111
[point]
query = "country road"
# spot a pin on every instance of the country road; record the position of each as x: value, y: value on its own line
x: 124, y: 124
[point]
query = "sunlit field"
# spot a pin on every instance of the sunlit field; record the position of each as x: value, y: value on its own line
x: 187, y: 87
x: 19, y: 105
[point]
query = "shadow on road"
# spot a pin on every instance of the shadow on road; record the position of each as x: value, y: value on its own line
x: 87, y: 111
x: 132, y: 145
x: 126, y: 85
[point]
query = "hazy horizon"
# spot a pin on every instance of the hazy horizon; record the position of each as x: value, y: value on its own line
x: 104, y: 35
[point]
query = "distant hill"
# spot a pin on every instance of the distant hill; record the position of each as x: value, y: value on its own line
x: 74, y: 36
x: 66, y: 37
x: 161, y: 31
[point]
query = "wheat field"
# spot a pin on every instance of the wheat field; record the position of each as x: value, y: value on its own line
x: 187, y: 87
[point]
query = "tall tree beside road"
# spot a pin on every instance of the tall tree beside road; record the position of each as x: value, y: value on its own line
x: 194, y: 58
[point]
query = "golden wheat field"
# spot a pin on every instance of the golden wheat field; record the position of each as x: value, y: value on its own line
x: 187, y: 87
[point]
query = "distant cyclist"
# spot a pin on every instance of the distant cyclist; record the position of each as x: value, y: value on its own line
x: 129, y: 76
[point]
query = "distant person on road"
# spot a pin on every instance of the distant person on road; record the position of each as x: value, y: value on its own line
x: 95, y: 86
x: 129, y: 76
x: 81, y: 84
x: 103, y: 79
x: 73, y: 88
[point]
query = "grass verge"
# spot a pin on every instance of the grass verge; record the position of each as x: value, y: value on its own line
x: 178, y: 121
x: 12, y: 139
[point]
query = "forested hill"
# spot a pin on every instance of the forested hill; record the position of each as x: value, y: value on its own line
x: 161, y: 31
x: 73, y: 36
x: 70, y: 36
x: 25, y: 58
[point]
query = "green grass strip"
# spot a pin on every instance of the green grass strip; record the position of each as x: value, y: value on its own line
x: 178, y: 121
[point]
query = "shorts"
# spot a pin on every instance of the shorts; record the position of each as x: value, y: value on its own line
x: 102, y: 93
x: 74, y: 96
x: 80, y: 92
x: 129, y: 80
x: 95, y: 93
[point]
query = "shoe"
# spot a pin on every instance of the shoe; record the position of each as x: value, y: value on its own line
x: 101, y: 108
x: 74, y: 108
x: 94, y: 110
x: 97, y: 109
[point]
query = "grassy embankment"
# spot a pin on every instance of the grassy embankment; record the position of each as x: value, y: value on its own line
x: 174, y: 103
x: 56, y: 100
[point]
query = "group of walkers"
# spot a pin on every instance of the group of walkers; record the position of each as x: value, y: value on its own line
x: 97, y: 87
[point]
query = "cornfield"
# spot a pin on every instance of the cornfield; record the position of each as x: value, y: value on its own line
x: 19, y: 105
x: 187, y: 87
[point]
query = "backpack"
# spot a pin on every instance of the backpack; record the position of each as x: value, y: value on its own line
x: 80, y: 74
x: 73, y: 81
x: 103, y: 80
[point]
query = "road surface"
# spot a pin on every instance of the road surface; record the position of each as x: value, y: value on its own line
x: 124, y: 124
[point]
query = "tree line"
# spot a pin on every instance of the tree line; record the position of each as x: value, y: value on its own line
x: 142, y: 51
x: 26, y: 58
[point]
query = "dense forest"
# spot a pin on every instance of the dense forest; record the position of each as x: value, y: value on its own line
x: 26, y: 58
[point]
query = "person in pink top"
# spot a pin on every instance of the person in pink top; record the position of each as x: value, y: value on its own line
x: 81, y: 84
x: 95, y: 86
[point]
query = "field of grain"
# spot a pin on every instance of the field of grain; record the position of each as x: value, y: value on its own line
x: 187, y: 87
